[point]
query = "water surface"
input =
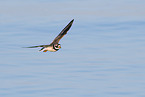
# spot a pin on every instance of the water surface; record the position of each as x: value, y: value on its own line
x: 102, y: 55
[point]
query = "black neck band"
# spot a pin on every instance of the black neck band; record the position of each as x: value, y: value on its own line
x: 55, y: 48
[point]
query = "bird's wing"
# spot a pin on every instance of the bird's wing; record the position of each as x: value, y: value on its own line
x: 62, y: 33
x: 37, y: 46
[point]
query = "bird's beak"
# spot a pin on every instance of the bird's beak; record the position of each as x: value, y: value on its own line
x: 59, y: 46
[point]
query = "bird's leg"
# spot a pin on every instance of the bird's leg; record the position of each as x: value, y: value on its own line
x: 45, y: 51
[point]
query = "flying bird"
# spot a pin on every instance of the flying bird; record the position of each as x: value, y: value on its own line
x: 54, y: 46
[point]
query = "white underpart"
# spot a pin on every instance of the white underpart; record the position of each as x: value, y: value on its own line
x: 49, y: 49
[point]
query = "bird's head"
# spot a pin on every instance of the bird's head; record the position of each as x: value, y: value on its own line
x: 59, y: 46
x: 56, y: 46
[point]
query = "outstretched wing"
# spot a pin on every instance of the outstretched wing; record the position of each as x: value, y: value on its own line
x: 62, y: 33
x: 37, y: 46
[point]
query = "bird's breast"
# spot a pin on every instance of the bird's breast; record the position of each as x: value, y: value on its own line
x: 50, y: 49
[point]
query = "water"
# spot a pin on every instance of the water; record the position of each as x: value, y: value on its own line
x: 102, y: 55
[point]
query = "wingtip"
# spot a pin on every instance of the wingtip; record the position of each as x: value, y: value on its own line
x: 72, y: 20
x: 25, y: 47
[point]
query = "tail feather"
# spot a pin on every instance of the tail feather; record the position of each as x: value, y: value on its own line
x: 41, y: 49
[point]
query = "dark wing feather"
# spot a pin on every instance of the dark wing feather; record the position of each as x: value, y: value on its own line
x: 62, y: 33
x: 37, y: 46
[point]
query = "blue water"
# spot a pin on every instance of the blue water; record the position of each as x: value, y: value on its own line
x: 101, y: 56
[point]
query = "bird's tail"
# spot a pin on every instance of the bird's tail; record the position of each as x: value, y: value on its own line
x: 41, y: 49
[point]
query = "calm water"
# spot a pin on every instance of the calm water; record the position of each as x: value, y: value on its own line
x: 103, y: 54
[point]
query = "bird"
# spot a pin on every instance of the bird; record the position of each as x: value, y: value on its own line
x: 54, y: 45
